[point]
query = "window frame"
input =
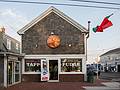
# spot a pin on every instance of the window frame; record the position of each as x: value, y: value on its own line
x: 81, y: 72
x: 17, y: 46
x: 9, y: 44
x: 24, y: 72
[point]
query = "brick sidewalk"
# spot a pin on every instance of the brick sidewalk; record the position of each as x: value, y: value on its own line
x: 53, y: 86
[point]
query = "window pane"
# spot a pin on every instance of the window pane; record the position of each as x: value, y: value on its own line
x: 17, y: 67
x: 10, y: 72
x: 17, y: 71
x: 17, y: 77
x: 32, y: 65
x: 71, y: 65
x: 17, y: 46
x: 8, y: 44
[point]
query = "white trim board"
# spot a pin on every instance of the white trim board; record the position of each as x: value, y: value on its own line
x: 5, y: 71
x: 55, y: 56
x: 59, y: 13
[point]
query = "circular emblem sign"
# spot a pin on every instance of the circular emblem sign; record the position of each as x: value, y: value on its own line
x: 53, y: 41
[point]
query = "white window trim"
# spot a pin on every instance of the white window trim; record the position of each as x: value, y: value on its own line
x: 56, y: 57
x: 17, y: 72
x: 71, y: 72
x: 31, y: 72
x: 17, y: 46
x: 9, y: 44
x: 81, y: 72
x: 23, y: 69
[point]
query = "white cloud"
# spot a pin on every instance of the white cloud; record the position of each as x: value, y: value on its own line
x: 12, y: 20
x: 7, y: 12
x: 10, y: 15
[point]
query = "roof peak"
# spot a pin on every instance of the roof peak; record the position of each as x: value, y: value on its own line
x: 112, y: 51
x: 59, y: 13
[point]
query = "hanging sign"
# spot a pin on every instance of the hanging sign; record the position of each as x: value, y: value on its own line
x: 44, y: 70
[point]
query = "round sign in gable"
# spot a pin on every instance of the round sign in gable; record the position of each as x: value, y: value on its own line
x: 53, y: 41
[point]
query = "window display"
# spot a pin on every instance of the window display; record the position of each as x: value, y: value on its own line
x: 32, y: 65
x: 71, y: 65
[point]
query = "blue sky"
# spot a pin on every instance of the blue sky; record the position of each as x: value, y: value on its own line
x: 14, y: 16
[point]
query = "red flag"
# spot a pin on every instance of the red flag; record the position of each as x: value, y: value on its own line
x: 105, y: 24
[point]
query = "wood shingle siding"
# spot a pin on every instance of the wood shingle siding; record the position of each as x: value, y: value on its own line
x: 34, y: 40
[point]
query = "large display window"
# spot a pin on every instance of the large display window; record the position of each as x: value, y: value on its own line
x: 32, y: 65
x: 71, y: 65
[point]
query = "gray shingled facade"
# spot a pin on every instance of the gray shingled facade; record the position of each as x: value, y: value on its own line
x: 34, y: 40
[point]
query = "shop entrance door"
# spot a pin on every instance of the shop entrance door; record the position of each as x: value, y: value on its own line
x: 10, y: 79
x: 13, y: 74
x: 53, y: 70
x: 17, y: 74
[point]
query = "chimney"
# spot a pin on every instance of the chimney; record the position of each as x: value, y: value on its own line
x: 2, y: 32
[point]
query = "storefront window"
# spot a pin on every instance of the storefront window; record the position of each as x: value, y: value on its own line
x: 32, y: 65
x: 71, y: 65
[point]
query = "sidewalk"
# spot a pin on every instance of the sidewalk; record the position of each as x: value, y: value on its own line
x: 108, y: 86
x: 55, y: 86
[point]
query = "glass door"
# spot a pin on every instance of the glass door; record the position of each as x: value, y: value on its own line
x: 53, y: 70
x: 10, y: 75
x: 13, y: 75
x: 17, y: 71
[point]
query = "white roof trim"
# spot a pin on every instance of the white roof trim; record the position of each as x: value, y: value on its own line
x: 56, y: 11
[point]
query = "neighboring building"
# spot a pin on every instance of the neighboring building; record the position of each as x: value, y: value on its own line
x: 111, y: 60
x: 10, y: 60
x: 56, y: 43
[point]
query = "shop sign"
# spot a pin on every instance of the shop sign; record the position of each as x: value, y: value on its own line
x: 44, y: 70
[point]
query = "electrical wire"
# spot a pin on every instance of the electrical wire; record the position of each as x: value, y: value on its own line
x: 62, y: 4
x: 28, y: 2
x: 101, y: 2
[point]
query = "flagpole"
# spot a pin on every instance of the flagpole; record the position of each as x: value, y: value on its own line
x: 86, y: 43
x: 109, y: 15
x: 87, y: 37
x: 88, y: 28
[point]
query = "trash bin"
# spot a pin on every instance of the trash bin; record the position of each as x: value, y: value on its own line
x: 94, y: 79
x: 90, y: 76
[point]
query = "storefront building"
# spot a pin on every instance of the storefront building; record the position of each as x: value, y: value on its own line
x: 10, y: 60
x: 54, y: 47
x: 111, y: 60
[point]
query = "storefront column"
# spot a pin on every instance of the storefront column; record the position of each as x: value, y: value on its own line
x: 84, y: 68
x: 5, y: 70
x: 23, y: 66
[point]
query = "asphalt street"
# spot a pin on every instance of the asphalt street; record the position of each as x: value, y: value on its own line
x: 113, y: 76
x: 107, y: 86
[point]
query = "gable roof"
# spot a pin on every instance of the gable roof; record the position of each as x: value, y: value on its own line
x: 113, y: 51
x: 56, y: 11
